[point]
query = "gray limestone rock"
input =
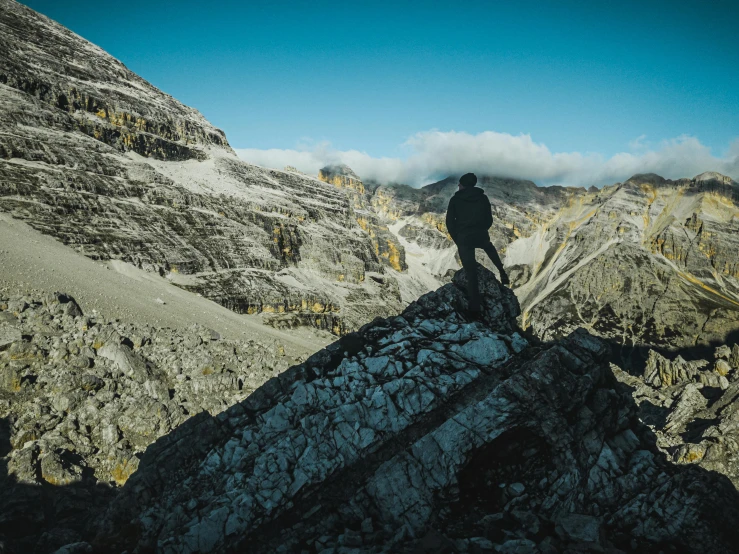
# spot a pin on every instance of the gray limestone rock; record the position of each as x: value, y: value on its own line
x: 722, y: 351
x: 734, y: 358
x: 125, y: 361
x: 82, y: 429
x: 393, y: 424
x: 8, y: 335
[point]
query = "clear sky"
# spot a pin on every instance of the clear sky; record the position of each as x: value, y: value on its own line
x: 586, y: 77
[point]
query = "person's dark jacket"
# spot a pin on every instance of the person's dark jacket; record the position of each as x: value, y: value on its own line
x: 469, y: 216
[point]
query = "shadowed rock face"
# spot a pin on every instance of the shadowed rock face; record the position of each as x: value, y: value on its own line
x: 424, y: 432
x: 692, y: 406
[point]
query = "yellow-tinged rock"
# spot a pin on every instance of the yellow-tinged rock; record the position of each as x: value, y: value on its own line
x: 122, y: 471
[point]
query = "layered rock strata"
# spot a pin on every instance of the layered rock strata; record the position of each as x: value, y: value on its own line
x: 386, y: 244
x: 98, y: 158
x: 426, y: 432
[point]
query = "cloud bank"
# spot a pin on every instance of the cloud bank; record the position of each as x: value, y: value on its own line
x: 433, y: 155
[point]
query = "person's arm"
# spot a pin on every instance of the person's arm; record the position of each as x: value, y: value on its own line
x: 488, y: 216
x: 451, y: 220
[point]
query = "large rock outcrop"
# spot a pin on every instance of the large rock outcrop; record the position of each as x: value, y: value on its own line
x: 426, y: 433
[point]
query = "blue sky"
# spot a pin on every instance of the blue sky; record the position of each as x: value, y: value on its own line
x: 591, y: 78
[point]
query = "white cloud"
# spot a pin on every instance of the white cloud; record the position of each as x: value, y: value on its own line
x: 433, y: 155
x: 639, y: 143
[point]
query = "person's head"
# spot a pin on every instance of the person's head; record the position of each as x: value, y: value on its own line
x: 467, y: 181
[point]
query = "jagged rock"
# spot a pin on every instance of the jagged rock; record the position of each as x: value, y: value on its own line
x: 734, y: 359
x: 81, y: 428
x: 722, y: 367
x: 75, y: 548
x: 125, y: 360
x: 8, y: 335
x: 661, y: 372
x: 393, y: 425
x: 689, y: 403
x: 58, y: 470
x: 580, y: 528
x: 722, y: 351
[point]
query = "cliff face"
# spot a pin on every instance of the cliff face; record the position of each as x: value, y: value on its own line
x: 386, y: 245
x: 97, y: 157
x: 425, y: 432
x: 94, y: 93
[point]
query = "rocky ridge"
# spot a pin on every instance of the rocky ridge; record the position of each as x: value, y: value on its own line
x: 425, y: 433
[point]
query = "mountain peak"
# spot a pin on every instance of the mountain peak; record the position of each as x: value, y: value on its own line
x: 646, y: 178
x: 341, y: 170
x: 714, y: 176
x: 101, y: 97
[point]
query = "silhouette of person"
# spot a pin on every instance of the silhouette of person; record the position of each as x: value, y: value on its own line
x: 468, y: 219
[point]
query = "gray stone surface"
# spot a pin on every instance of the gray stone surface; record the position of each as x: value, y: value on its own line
x: 693, y: 408
x: 391, y: 433
x: 82, y: 397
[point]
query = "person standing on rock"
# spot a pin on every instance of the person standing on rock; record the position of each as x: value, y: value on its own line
x: 468, y: 219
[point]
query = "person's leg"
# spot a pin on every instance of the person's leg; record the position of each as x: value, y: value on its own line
x: 467, y: 257
x: 493, y: 255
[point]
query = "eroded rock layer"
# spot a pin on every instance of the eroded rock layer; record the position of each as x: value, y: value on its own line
x: 98, y: 158
x: 426, y: 432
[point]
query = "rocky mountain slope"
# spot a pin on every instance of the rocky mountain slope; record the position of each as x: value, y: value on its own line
x: 422, y: 432
x: 82, y: 397
x: 419, y: 433
x: 98, y: 158
x: 645, y: 262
